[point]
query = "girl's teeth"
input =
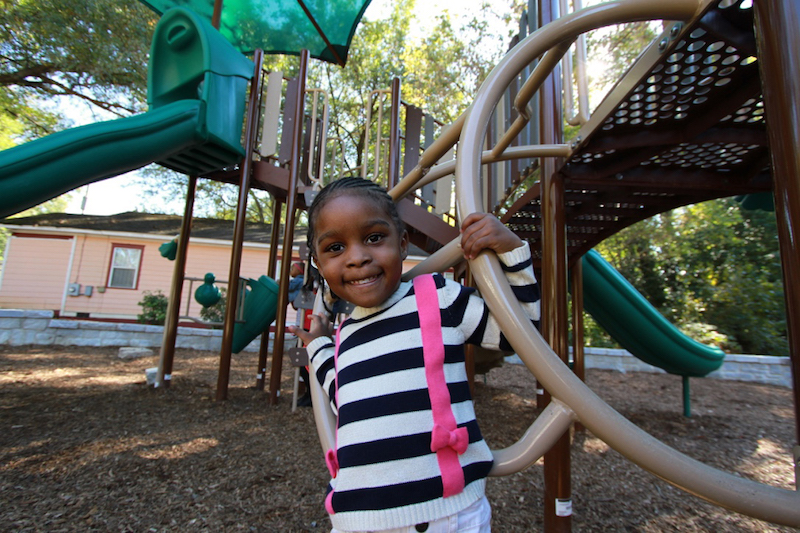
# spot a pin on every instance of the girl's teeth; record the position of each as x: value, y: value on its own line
x: 362, y: 281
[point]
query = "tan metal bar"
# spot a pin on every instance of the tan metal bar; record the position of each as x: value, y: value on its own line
x: 548, y: 62
x: 430, y: 156
x: 443, y: 259
x: 515, y: 152
x: 318, y: 149
x: 216, y: 15
x: 268, y: 144
x: 573, y: 117
x: 548, y: 427
x: 744, y: 496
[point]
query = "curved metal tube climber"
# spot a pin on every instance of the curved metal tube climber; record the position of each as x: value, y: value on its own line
x: 572, y: 400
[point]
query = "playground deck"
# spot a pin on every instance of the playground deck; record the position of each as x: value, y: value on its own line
x: 684, y: 125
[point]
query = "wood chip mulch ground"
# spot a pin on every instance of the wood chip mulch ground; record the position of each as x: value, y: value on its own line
x: 86, y: 445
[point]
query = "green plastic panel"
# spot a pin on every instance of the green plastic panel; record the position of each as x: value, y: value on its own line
x: 281, y: 26
x: 260, y: 308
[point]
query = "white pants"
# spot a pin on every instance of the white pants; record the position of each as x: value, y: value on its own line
x: 477, y: 518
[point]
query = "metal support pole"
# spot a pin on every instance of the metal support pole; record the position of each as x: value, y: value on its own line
x: 288, y: 233
x: 778, y: 41
x: 251, y: 126
x: 271, y: 267
x: 557, y: 491
x: 557, y: 486
x: 164, y: 375
x: 578, y: 359
x: 687, y: 397
x: 394, y: 137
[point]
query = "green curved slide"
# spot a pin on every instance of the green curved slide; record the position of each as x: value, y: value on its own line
x: 197, y: 85
x: 636, y: 325
x: 45, y: 168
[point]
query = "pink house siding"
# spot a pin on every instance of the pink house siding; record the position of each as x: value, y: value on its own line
x: 38, y: 269
x: 37, y: 276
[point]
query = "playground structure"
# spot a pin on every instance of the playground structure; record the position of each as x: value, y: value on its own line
x: 685, y: 124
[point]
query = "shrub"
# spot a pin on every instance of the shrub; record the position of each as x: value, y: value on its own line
x: 154, y: 308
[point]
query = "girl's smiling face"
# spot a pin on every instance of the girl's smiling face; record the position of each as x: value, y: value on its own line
x: 359, y: 249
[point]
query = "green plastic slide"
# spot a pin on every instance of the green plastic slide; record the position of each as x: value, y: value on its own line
x: 197, y: 85
x: 45, y: 168
x: 636, y: 325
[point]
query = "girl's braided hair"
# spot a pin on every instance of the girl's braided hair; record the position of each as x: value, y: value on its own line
x: 354, y: 186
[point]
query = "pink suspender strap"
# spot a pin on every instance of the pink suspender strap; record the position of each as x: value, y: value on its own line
x: 331, y: 460
x: 447, y: 440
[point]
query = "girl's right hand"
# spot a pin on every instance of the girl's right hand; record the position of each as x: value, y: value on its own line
x: 320, y: 327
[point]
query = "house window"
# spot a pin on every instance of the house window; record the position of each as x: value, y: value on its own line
x: 125, y: 263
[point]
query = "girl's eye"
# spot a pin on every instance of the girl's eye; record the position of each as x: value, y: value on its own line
x: 375, y: 237
x: 333, y: 248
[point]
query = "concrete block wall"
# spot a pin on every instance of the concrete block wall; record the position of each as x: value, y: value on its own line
x: 22, y: 327
x: 766, y: 369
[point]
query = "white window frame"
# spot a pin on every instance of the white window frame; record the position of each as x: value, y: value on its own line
x: 115, y: 266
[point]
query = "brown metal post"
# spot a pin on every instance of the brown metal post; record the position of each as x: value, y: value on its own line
x: 578, y: 359
x: 251, y: 125
x: 288, y: 233
x: 394, y: 137
x: 271, y: 267
x: 777, y: 25
x: 557, y: 491
x: 216, y: 15
x: 167, y: 356
x: 557, y: 486
x: 277, y: 216
x: 577, y: 321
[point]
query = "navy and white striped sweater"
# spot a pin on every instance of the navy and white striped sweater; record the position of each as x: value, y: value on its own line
x: 388, y: 476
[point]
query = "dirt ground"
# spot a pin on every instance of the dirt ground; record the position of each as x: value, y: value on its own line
x: 85, y: 445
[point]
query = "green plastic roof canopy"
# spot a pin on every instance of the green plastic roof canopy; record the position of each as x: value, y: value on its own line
x: 282, y: 26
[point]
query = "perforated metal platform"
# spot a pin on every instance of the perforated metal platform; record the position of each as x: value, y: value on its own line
x: 684, y: 125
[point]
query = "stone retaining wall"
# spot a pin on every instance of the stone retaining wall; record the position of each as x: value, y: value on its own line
x: 767, y: 369
x: 22, y: 327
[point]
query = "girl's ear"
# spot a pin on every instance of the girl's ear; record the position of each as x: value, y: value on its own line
x: 404, y: 245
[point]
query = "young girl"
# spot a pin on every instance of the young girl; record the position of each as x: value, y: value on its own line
x: 410, y: 455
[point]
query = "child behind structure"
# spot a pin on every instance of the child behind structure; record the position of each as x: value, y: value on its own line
x: 409, y: 453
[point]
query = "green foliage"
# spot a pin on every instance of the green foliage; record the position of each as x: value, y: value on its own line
x: 620, y: 45
x: 440, y: 71
x: 95, y: 50
x: 713, y: 269
x: 213, y: 199
x: 4, y: 233
x: 595, y: 336
x: 154, y: 308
